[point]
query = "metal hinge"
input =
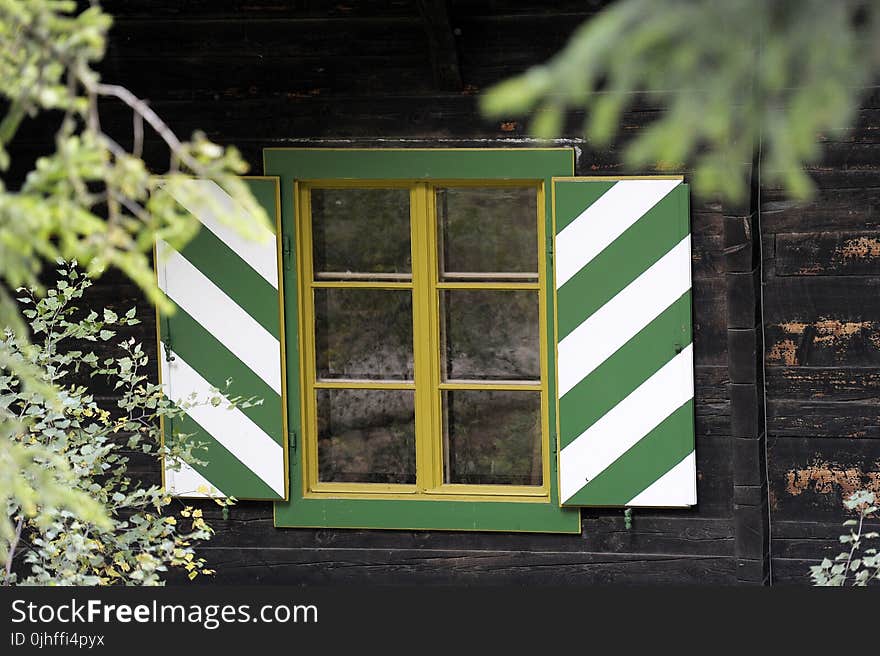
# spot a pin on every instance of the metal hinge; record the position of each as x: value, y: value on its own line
x: 166, y: 340
x: 291, y: 440
x: 287, y: 251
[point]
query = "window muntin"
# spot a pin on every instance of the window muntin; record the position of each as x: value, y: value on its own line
x: 479, y: 423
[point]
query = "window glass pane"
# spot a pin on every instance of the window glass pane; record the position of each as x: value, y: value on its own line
x: 360, y: 231
x: 363, y: 333
x: 488, y: 230
x: 490, y: 334
x: 366, y: 436
x: 492, y: 437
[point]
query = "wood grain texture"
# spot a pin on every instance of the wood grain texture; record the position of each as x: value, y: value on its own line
x: 811, y: 476
x: 372, y: 567
x: 832, y: 253
x: 322, y: 72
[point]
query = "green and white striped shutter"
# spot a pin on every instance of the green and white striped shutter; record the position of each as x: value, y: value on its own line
x: 625, y: 354
x: 227, y: 326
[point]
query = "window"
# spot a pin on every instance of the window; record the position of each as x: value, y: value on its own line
x: 421, y: 308
x: 424, y: 369
x: 451, y: 339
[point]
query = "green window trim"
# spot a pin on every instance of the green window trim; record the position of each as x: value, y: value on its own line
x: 490, y: 165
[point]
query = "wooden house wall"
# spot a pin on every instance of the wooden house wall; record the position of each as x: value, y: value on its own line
x: 822, y: 327
x: 348, y: 73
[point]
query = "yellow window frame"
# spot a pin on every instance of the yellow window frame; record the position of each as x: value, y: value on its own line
x: 427, y: 384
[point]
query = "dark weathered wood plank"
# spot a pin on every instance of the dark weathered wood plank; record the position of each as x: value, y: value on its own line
x: 803, y: 418
x: 845, y: 208
x: 810, y: 476
x: 710, y: 322
x: 813, y: 540
x: 822, y: 321
x: 829, y: 384
x: 441, y: 44
x: 374, y: 567
x: 828, y: 254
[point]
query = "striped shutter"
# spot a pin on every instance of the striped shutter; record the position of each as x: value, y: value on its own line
x: 625, y: 354
x: 227, y: 326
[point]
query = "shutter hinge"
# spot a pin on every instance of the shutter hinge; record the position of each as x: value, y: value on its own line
x: 291, y: 440
x: 286, y: 250
x: 166, y: 341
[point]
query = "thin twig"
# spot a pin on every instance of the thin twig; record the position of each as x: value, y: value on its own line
x: 142, y: 108
x: 138, y: 135
x: 131, y: 206
x: 12, y: 547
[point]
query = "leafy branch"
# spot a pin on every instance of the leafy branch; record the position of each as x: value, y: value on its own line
x: 101, y: 525
x: 94, y: 201
x: 728, y: 79
x: 856, y: 566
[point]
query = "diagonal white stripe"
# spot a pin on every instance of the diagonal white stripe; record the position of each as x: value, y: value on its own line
x: 677, y: 487
x: 230, y: 427
x: 184, y: 284
x: 604, y: 221
x: 616, y: 322
x: 187, y: 482
x: 627, y: 423
x: 206, y: 200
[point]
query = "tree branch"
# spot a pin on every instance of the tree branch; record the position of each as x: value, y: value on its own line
x: 12, y: 546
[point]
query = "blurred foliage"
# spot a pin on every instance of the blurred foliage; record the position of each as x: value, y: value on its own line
x: 92, y: 200
x: 73, y: 513
x: 858, y: 564
x: 734, y: 77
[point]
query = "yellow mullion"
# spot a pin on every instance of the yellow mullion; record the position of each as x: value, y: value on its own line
x: 424, y: 424
x: 433, y: 256
x: 513, y: 286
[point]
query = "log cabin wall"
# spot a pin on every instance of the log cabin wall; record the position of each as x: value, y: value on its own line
x: 822, y: 328
x: 407, y: 73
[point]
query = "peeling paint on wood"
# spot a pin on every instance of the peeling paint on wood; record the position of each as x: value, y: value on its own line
x: 827, y: 253
x: 860, y: 248
x: 823, y: 341
x: 823, y: 477
x: 783, y: 352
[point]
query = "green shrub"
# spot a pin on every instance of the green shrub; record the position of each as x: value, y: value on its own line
x: 104, y: 526
x: 855, y: 566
